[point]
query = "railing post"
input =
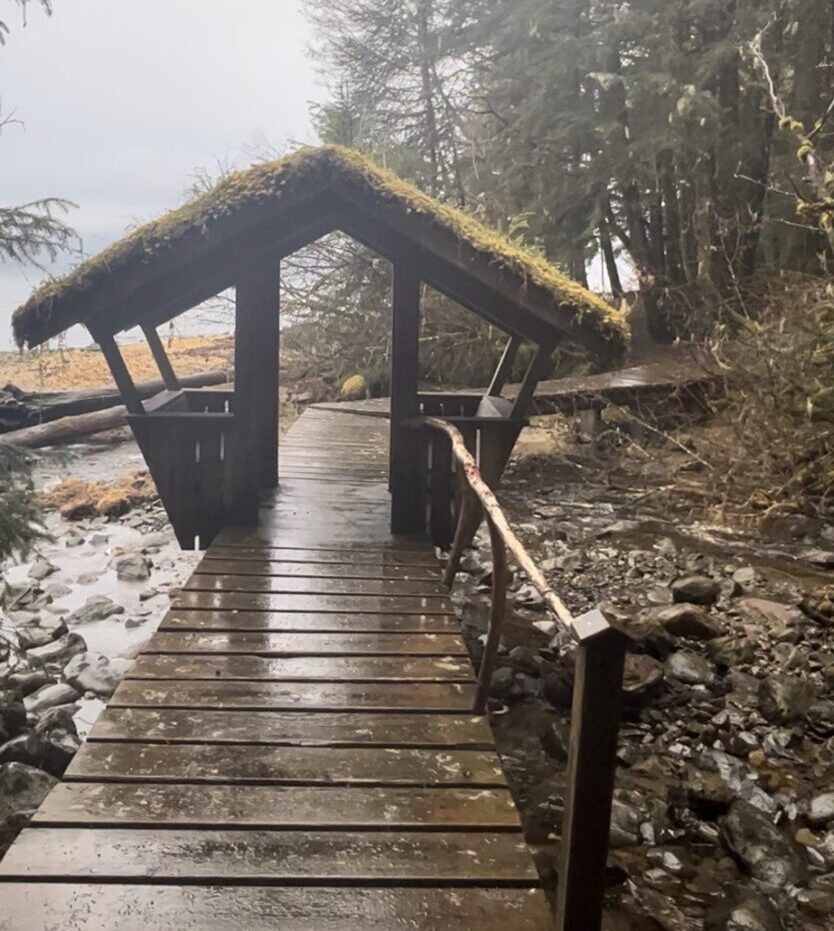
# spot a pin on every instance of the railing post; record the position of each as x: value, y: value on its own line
x: 500, y: 580
x: 441, y: 528
x: 592, y: 761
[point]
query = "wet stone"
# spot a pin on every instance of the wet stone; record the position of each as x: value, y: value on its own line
x: 58, y: 693
x: 783, y: 699
x: 96, y: 608
x: 764, y: 849
x: 748, y: 912
x: 822, y: 809
x: 686, y: 620
x: 689, y: 668
x: 57, y: 590
x: 12, y: 714
x: 39, y: 631
x: 58, y: 652
x: 22, y: 788
x: 41, y: 568
x: 696, y: 589
x: 28, y: 680
x: 90, y: 673
x: 133, y: 567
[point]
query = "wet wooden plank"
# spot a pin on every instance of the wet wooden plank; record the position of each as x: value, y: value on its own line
x: 124, y: 762
x: 298, y: 807
x: 344, y: 604
x: 279, y: 696
x: 262, y: 538
x: 391, y: 588
x: 299, y: 728
x: 103, y: 907
x: 319, y: 644
x: 301, y: 622
x: 263, y: 568
x: 286, y: 857
x: 360, y: 668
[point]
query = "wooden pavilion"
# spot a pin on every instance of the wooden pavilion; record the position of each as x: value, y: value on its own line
x: 212, y: 452
x: 302, y: 742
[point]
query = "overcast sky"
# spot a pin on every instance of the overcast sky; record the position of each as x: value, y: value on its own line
x: 123, y: 101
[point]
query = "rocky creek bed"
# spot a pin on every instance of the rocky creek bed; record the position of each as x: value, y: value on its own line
x: 724, y: 807
x: 72, y: 617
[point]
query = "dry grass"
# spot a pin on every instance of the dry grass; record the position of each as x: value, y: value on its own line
x: 66, y: 369
x: 75, y: 499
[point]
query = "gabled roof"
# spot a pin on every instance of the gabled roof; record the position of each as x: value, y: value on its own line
x: 260, y: 198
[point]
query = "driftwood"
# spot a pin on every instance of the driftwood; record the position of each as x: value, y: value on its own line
x: 20, y: 409
x: 67, y: 428
x: 78, y: 426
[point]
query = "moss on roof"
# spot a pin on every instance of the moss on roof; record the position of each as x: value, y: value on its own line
x: 269, y: 183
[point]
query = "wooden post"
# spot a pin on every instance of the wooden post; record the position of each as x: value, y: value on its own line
x: 255, y: 452
x: 441, y: 529
x: 119, y: 371
x: 163, y: 363
x: 505, y: 366
x: 592, y: 763
x: 406, y: 472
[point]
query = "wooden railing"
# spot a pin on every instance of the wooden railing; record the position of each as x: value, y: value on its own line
x: 597, y: 692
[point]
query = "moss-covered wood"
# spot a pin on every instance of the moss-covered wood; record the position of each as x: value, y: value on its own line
x: 260, y: 194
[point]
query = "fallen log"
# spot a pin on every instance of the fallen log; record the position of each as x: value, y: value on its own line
x: 21, y: 409
x: 67, y: 428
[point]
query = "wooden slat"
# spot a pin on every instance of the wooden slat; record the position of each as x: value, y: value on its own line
x: 280, y: 696
x: 313, y: 570
x: 283, y: 644
x: 398, y: 588
x: 300, y: 728
x: 103, y: 907
x: 337, y: 668
x: 360, y: 604
x: 284, y: 765
x: 212, y: 806
x: 320, y: 622
x: 224, y: 856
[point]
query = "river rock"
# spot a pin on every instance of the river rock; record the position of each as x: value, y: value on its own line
x: 642, y: 675
x: 690, y: 668
x: 58, y: 652
x: 22, y: 789
x: 686, y: 620
x: 822, y: 809
x: 133, y: 567
x: 38, y: 631
x: 51, y: 752
x: 731, y: 652
x: 57, y: 590
x: 96, y: 608
x: 57, y: 693
x: 41, y: 568
x: 12, y: 714
x: 90, y: 673
x: 625, y: 824
x: 26, y: 681
x: 747, y: 912
x: 783, y: 699
x: 696, y: 589
x: 769, y: 854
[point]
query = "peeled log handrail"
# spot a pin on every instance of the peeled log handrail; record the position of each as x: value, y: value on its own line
x: 495, y: 517
x: 597, y: 694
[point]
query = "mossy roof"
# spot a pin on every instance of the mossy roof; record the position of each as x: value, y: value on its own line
x: 60, y: 303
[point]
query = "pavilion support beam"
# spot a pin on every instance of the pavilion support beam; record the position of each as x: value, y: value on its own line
x: 255, y: 452
x: 163, y: 363
x: 408, y: 513
x: 536, y: 370
x: 505, y: 367
x: 118, y: 369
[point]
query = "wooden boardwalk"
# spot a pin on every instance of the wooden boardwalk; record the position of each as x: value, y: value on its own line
x: 294, y: 747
